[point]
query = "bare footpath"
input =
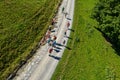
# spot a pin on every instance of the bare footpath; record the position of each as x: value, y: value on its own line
x: 42, y: 65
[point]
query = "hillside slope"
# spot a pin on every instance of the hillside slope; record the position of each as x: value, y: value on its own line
x: 22, y: 25
x: 91, y: 57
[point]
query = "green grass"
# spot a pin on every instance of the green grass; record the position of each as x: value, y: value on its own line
x: 91, y: 57
x: 22, y: 25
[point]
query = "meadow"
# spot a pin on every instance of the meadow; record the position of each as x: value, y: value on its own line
x: 91, y: 56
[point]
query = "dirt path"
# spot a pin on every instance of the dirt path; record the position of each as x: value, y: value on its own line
x: 42, y: 66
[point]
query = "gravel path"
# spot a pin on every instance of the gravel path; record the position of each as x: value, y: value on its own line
x: 42, y: 66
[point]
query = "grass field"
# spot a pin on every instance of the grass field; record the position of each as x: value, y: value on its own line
x: 22, y: 25
x: 91, y: 57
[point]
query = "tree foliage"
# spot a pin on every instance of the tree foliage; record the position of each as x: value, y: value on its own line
x: 107, y: 14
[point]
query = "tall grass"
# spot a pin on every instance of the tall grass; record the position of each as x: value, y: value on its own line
x: 22, y: 25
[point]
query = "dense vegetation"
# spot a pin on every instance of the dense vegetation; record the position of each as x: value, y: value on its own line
x: 22, y: 24
x: 107, y: 14
x: 91, y: 57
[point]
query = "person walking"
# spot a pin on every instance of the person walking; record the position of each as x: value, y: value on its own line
x: 64, y: 42
x: 54, y: 37
x: 54, y: 44
x: 66, y: 14
x: 50, y: 51
x: 63, y: 10
x: 65, y: 33
x: 68, y: 24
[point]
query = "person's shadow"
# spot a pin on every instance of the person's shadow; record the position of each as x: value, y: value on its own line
x: 71, y: 30
x: 68, y: 37
x: 68, y: 19
x: 68, y: 47
x: 55, y: 57
x: 57, y: 50
x: 58, y: 44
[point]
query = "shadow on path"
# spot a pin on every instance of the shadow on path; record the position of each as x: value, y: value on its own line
x: 71, y: 30
x: 68, y: 19
x: 52, y: 31
x: 56, y: 50
x: 68, y: 47
x: 68, y: 37
x: 61, y: 48
x: 55, y: 57
x: 58, y: 44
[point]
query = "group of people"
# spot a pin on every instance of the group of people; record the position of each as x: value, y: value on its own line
x: 51, y: 40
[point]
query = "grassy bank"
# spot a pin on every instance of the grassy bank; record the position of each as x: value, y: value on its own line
x: 91, y: 57
x: 22, y: 25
